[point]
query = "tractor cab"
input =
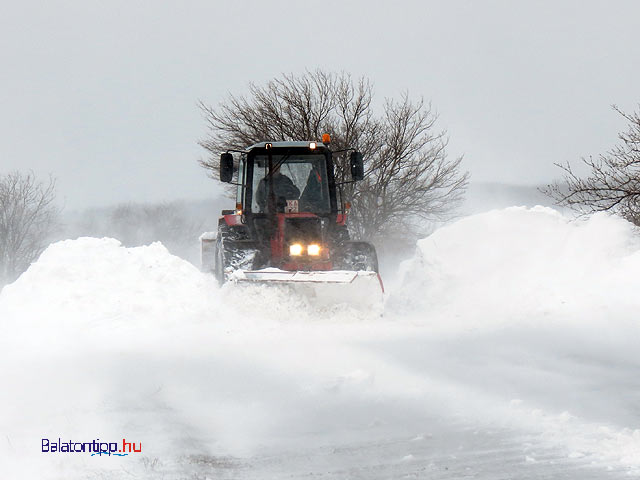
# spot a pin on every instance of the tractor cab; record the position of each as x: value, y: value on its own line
x: 286, y: 177
x: 287, y: 180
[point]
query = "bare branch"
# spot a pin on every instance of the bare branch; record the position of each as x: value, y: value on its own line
x: 409, y: 178
x: 28, y: 217
x: 613, y: 184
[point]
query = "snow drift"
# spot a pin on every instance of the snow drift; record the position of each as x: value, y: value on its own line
x: 520, y: 263
x: 92, y: 282
x: 518, y: 320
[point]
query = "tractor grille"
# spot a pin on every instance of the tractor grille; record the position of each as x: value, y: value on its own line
x: 303, y: 230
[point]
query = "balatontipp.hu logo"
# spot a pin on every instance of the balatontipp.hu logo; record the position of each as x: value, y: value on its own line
x: 95, y: 447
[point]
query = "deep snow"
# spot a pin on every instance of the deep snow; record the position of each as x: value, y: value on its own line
x: 509, y: 349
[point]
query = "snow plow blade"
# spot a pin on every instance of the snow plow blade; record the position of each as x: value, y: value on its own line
x: 322, y: 287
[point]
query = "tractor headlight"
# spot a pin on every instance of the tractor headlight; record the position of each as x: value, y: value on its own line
x: 295, y: 250
x: 313, y: 250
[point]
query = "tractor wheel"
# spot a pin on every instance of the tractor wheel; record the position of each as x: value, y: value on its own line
x: 358, y: 256
x: 225, y: 234
x: 233, y: 250
x: 219, y: 264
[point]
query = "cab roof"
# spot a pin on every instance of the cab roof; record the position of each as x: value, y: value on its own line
x: 297, y: 144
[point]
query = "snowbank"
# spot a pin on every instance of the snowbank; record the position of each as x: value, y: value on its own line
x: 96, y: 283
x: 520, y: 263
x: 89, y: 283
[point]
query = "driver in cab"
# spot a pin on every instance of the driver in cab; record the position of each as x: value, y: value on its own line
x: 283, y: 188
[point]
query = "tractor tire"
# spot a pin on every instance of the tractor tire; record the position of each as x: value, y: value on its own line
x: 234, y: 251
x: 219, y: 267
x: 358, y: 256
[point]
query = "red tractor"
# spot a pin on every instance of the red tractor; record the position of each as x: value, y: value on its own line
x: 289, y: 224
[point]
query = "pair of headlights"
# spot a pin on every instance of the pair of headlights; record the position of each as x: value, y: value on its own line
x: 297, y: 249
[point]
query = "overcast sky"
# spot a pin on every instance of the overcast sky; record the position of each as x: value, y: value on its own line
x: 103, y: 95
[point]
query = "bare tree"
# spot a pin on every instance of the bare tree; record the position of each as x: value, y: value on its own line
x: 614, y: 180
x: 409, y: 177
x: 28, y: 217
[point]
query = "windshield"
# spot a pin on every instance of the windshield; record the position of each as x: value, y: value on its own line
x: 299, y: 183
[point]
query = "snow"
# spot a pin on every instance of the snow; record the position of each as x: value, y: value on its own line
x: 522, y: 262
x: 508, y: 349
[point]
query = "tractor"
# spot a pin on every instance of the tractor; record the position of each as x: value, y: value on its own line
x: 289, y: 224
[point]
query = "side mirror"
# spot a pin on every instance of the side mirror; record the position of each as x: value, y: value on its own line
x: 226, y: 167
x: 357, y: 166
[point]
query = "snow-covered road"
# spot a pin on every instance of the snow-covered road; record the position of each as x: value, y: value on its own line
x: 510, y: 349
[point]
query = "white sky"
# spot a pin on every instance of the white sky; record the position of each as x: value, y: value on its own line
x: 103, y: 94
